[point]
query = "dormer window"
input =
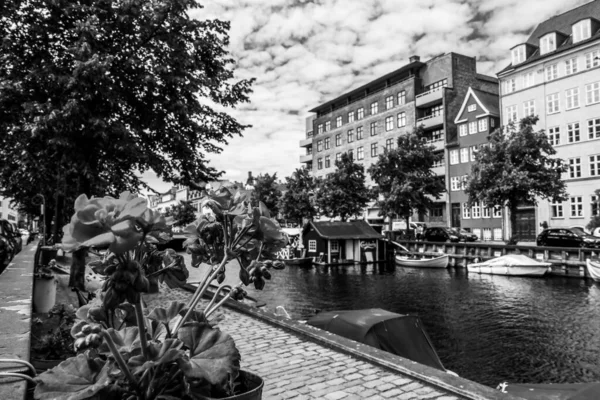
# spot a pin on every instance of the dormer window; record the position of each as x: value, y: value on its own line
x: 518, y: 54
x: 548, y: 43
x: 582, y: 30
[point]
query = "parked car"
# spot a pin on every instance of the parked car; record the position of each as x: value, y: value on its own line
x: 6, y: 253
x: 464, y: 235
x: 8, y: 231
x: 567, y: 237
x: 440, y: 234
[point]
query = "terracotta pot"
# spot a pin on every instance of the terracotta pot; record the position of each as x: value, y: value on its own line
x: 251, y: 384
x: 44, y: 294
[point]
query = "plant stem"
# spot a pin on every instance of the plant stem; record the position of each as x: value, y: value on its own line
x: 225, y: 226
x: 212, y: 301
x: 139, y: 316
x: 118, y: 358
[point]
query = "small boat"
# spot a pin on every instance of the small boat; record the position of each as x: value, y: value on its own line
x: 436, y: 262
x: 512, y: 265
x: 593, y: 268
x: 300, y: 262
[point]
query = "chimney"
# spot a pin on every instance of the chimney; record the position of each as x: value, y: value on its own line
x: 414, y: 58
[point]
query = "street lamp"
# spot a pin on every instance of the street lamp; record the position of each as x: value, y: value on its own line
x: 41, y: 200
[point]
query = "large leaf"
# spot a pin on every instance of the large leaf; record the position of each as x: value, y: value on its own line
x: 166, y: 316
x: 76, y: 378
x: 213, y: 355
x: 159, y: 353
x: 126, y: 340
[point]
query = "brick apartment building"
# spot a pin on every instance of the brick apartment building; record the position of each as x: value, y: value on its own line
x: 555, y: 74
x: 370, y: 118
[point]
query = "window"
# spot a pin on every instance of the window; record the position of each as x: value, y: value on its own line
x: 389, y: 123
x: 350, y: 136
x: 476, y: 210
x: 556, y: 210
x: 437, y: 211
x: 472, y: 107
x: 575, y: 167
x: 552, y: 103
x: 338, y: 157
x: 373, y: 128
x: 327, y: 143
x: 487, y: 234
x: 374, y: 149
x: 401, y: 97
x: 360, y: 153
x: 435, y: 136
x: 572, y: 98
x: 464, y: 155
x: 518, y: 54
x: 472, y: 152
x: 359, y: 133
x: 455, y: 183
x: 435, y: 111
x: 327, y: 161
x: 573, y: 132
x: 401, y: 119
x: 528, y: 79
x: 497, y: 212
x: 529, y: 108
x: 482, y: 123
x: 351, y: 116
x: 554, y: 135
x: 472, y: 127
x: 338, y: 121
x: 551, y: 72
x: 327, y: 126
x: 463, y: 182
x: 592, y: 93
x: 374, y: 108
x: 577, y: 206
x: 320, y: 145
x: 360, y: 113
x: 582, y: 30
x: 466, y: 211
x: 389, y: 144
x: 437, y: 85
x: 510, y: 85
x: 389, y: 102
x: 338, y: 139
x: 462, y: 130
x: 571, y: 66
x: 320, y: 163
x: 492, y: 122
x: 320, y: 129
x: 335, y: 246
x: 453, y: 157
x: 312, y: 245
x: 439, y: 162
x: 594, y: 128
x: 594, y: 206
x: 485, y: 213
x: 548, y: 43
x: 592, y: 59
x: 511, y: 114
x: 595, y: 165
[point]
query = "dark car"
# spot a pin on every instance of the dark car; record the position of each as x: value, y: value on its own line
x: 9, y: 232
x: 440, y: 234
x: 6, y: 253
x: 567, y: 237
x: 464, y: 235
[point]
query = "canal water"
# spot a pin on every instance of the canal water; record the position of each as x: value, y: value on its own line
x: 486, y: 328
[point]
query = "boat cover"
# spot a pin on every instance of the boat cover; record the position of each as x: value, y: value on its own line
x: 511, y: 260
x: 399, y: 334
x: 552, y: 391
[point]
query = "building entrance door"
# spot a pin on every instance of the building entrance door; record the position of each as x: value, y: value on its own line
x: 525, y: 228
x: 455, y: 218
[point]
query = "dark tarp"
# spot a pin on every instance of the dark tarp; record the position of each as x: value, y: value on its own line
x: 399, y: 334
x: 550, y: 391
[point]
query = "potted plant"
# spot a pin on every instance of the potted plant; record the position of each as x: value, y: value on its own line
x: 56, y: 344
x: 44, y: 287
x: 172, y: 352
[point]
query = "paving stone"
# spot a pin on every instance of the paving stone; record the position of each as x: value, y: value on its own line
x: 392, y: 393
x: 411, y: 387
x: 336, y: 395
x: 447, y: 398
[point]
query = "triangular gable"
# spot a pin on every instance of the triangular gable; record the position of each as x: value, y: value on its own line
x: 463, y: 107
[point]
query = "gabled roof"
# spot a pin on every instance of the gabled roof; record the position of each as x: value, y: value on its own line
x: 343, y: 230
x: 488, y: 102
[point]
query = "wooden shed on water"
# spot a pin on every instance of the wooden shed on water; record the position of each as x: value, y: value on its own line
x: 337, y: 242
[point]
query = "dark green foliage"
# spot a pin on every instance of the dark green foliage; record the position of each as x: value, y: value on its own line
x: 404, y: 179
x: 297, y: 203
x: 267, y: 191
x: 183, y: 213
x: 343, y: 193
x: 517, y: 167
x: 595, y: 221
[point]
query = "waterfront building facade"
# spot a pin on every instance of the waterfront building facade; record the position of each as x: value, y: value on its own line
x: 555, y: 74
x: 367, y: 120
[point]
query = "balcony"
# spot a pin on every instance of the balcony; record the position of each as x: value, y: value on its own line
x: 427, y: 99
x: 439, y: 171
x: 306, y: 158
x: 306, y: 142
x: 443, y: 198
x: 431, y: 121
x: 437, y: 145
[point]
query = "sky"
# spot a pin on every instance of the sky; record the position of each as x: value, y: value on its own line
x: 305, y: 52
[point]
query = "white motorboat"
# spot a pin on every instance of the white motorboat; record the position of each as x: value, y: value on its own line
x: 593, y: 268
x: 512, y: 265
x: 436, y: 262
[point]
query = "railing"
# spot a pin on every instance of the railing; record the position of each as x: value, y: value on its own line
x: 441, y: 114
x: 429, y: 92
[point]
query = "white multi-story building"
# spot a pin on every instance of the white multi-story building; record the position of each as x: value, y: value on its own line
x: 7, y: 212
x: 555, y: 74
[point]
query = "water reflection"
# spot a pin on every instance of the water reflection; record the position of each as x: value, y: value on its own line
x: 486, y: 328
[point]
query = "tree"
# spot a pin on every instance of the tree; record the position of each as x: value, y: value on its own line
x: 517, y: 167
x: 267, y: 191
x: 404, y: 178
x: 297, y: 203
x: 183, y: 213
x: 95, y: 93
x: 343, y: 193
x: 595, y: 221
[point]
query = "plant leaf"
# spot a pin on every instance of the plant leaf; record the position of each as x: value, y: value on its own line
x: 160, y: 353
x: 127, y: 341
x: 167, y: 315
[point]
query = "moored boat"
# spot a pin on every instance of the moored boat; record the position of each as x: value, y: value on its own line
x: 300, y: 262
x: 510, y: 265
x: 436, y: 262
x: 593, y: 268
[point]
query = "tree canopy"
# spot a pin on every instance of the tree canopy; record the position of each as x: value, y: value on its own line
x: 343, y: 193
x: 404, y: 177
x: 516, y: 168
x: 297, y: 203
x: 95, y: 93
x: 266, y: 190
x: 183, y: 213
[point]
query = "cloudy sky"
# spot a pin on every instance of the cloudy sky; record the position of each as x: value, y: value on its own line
x: 305, y: 52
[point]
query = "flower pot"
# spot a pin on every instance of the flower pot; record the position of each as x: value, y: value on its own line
x: 47, y: 253
x: 44, y: 294
x: 42, y: 365
x: 251, y: 386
